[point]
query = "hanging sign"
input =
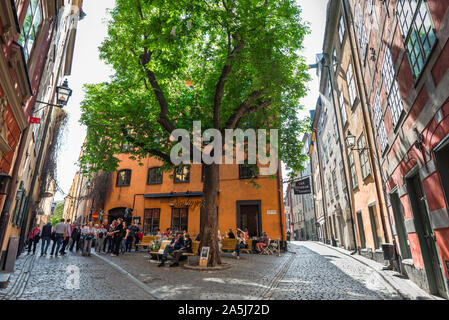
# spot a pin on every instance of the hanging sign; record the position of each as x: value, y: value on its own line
x: 35, y: 120
x: 94, y: 216
x: 302, y: 186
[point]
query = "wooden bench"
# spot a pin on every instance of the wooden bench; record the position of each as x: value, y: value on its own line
x: 230, y: 244
x: 161, y: 249
x: 195, y: 246
x: 146, y: 241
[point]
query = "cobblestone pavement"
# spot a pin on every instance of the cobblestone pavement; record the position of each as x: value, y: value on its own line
x: 309, y: 271
x: 50, y: 278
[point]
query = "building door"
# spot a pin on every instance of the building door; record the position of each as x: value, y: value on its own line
x: 374, y: 226
x: 361, y: 230
x: 442, y: 159
x: 426, y: 237
x: 115, y: 214
x: 399, y: 224
x: 249, y: 216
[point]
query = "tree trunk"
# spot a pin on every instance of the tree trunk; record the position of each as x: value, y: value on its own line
x: 209, y: 214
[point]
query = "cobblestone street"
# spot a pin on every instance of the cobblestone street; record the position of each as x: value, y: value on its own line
x: 309, y: 271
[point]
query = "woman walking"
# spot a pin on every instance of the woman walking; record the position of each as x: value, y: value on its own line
x: 117, y: 234
x: 33, y: 238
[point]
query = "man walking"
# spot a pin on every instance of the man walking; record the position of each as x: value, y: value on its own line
x: 67, y: 237
x: 46, y: 235
x: 60, y: 230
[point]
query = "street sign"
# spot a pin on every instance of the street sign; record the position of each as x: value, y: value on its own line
x: 302, y: 186
x: 271, y: 211
x: 35, y: 120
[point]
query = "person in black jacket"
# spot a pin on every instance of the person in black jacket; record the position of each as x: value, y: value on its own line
x: 118, y: 236
x: 176, y: 244
x: 75, y: 238
x: 187, y: 248
x: 45, y: 236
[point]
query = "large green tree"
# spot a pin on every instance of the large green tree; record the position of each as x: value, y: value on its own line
x: 227, y: 63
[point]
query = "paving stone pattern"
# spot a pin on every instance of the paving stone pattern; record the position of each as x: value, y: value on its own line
x: 309, y: 271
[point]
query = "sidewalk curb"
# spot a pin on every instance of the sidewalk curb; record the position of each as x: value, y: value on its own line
x: 155, y: 294
x: 398, y: 290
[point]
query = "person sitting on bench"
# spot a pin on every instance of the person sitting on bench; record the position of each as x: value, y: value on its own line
x: 187, y: 248
x: 176, y: 244
x: 263, y: 242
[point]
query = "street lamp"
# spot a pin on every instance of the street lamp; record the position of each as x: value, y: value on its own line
x: 5, y: 180
x: 350, y: 143
x: 63, y: 94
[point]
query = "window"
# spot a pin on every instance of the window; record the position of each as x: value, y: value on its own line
x: 417, y: 29
x: 380, y: 123
x: 179, y: 220
x: 391, y: 87
x: 154, y: 176
x: 334, y: 63
x: 182, y: 174
x: 334, y: 181
x: 343, y: 115
x: 353, y: 172
x: 351, y: 85
x: 369, y: 6
x: 247, y: 171
x: 361, y: 32
x: 331, y: 195
x: 363, y: 155
x: 341, y: 29
x: 151, y: 220
x: 123, y: 178
x: 30, y: 27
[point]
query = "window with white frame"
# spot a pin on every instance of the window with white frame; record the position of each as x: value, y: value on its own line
x: 351, y: 85
x: 334, y: 181
x: 369, y: 6
x: 417, y: 28
x: 341, y: 101
x: 363, y: 155
x: 353, y: 171
x: 30, y: 27
x: 341, y: 29
x: 361, y: 32
x: 380, y: 123
x: 392, y: 88
x: 335, y: 65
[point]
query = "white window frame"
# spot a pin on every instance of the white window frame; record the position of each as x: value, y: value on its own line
x: 341, y: 29
x: 392, y: 88
x: 380, y: 123
x: 351, y: 85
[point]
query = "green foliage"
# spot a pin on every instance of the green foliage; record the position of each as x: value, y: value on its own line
x: 57, y: 213
x: 241, y: 58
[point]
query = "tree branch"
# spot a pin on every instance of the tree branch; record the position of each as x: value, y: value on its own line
x: 154, y: 152
x: 219, y: 91
x: 239, y: 113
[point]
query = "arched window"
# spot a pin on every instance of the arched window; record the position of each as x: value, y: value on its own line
x: 123, y: 178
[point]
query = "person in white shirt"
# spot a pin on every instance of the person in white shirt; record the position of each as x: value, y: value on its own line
x: 88, y: 233
x: 68, y: 235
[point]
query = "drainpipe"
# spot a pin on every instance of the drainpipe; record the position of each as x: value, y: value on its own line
x: 322, y: 186
x: 313, y: 194
x: 366, y: 124
x: 280, y: 204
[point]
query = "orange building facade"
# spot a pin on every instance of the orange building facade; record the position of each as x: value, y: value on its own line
x: 168, y: 200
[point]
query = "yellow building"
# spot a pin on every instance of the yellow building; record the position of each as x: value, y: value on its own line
x: 168, y: 200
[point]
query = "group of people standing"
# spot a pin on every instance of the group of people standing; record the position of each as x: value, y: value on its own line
x: 116, y: 238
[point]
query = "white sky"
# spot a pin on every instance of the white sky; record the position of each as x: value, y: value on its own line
x: 87, y: 68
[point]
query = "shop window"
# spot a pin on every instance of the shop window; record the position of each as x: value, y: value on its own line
x: 179, y: 219
x: 151, y: 221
